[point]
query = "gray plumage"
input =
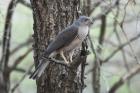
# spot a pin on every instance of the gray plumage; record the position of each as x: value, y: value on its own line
x: 62, y: 39
x: 65, y: 42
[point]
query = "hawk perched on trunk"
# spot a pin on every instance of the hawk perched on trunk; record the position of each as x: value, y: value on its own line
x: 65, y: 43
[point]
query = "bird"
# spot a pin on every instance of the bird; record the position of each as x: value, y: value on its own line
x: 65, y: 44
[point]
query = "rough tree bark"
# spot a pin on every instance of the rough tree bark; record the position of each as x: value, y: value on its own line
x: 50, y: 17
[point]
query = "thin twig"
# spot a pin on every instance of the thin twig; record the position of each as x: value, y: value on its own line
x: 96, y: 72
x: 118, y: 37
x: 19, y: 59
x: 97, y: 62
x: 26, y: 43
x: 131, y: 47
x: 120, y: 47
x: 121, y: 25
x: 119, y: 40
x: 105, y: 12
x: 95, y: 5
x: 126, y: 21
x: 21, y: 70
x: 18, y: 83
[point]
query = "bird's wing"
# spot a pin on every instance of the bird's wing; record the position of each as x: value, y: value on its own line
x: 62, y: 39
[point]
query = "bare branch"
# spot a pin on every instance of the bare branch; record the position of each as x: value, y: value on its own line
x: 131, y: 47
x: 28, y: 42
x: 89, y: 6
x: 118, y: 37
x: 124, y: 78
x: 106, y: 12
x: 119, y: 40
x: 95, y: 5
x: 121, y: 47
x: 21, y: 70
x: 18, y: 83
x: 19, y: 59
x: 121, y: 25
x: 126, y: 21
x: 7, y: 35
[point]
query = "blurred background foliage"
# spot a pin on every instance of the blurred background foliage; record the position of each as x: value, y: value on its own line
x: 22, y: 30
x: 111, y: 71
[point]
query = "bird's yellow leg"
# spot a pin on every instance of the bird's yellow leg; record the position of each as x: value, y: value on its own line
x: 71, y: 55
x: 62, y: 54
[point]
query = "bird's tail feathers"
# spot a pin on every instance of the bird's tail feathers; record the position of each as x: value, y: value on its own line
x: 39, y: 69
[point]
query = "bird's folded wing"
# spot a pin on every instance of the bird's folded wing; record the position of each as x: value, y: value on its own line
x: 63, y: 39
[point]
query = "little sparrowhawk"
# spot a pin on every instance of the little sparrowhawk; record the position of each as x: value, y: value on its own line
x: 65, y: 43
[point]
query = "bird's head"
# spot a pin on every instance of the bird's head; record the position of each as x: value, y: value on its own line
x: 84, y: 20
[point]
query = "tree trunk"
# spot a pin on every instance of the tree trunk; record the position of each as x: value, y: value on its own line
x: 51, y: 17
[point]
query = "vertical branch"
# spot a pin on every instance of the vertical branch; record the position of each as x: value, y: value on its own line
x: 83, y: 64
x: 121, y: 25
x: 102, y: 31
x: 86, y: 8
x: 118, y: 37
x: 96, y: 68
x: 89, y: 6
x: 6, y: 48
x: 120, y: 43
x: 98, y: 61
x: 7, y: 34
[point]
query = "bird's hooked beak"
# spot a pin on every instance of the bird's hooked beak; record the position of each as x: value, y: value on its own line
x: 91, y: 21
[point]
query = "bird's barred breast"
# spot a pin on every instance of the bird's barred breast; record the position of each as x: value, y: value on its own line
x: 73, y: 45
x: 83, y: 32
